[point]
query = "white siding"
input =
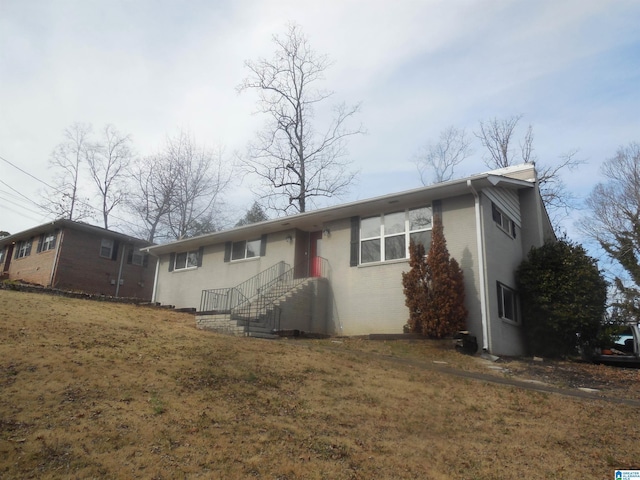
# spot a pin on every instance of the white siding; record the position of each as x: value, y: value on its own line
x: 507, y: 201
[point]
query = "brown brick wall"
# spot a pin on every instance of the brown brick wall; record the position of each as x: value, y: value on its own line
x: 34, y: 268
x: 81, y: 267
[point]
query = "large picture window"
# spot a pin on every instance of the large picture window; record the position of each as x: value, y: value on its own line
x: 387, y: 237
x: 507, y: 303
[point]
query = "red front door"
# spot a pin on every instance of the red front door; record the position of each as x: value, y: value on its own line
x: 315, y: 260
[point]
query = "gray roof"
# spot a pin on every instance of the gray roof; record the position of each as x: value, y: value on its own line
x: 522, y: 176
x: 63, y: 223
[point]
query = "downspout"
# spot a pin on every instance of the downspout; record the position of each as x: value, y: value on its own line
x: 56, y: 260
x: 481, y: 269
x: 155, y: 279
x: 124, y: 250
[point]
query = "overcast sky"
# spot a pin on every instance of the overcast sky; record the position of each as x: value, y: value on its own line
x: 571, y: 67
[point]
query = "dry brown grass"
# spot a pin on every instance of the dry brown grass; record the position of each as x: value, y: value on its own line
x: 92, y: 390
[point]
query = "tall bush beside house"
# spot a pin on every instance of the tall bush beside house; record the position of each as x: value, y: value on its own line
x: 563, y: 298
x: 434, y: 288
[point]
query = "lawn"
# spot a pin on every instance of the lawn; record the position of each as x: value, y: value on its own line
x: 100, y: 390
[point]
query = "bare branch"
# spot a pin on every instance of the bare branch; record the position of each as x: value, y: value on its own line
x: 436, y: 162
x: 293, y: 161
x: 108, y: 160
x: 496, y: 136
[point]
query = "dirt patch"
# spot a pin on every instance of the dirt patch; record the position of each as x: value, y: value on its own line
x: 614, y: 380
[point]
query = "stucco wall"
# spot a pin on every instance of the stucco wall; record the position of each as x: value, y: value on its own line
x: 504, y: 254
x: 369, y: 298
x: 183, y: 288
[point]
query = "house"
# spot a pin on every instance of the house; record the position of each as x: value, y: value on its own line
x: 337, y: 270
x: 76, y: 256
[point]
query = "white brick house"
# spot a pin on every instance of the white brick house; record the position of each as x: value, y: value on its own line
x: 346, y: 261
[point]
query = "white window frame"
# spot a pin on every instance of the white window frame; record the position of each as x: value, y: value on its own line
x: 186, y: 260
x: 504, y: 222
x: 383, y: 235
x: 249, y: 249
x: 24, y: 248
x: 137, y: 258
x: 512, y: 298
x: 48, y: 242
x: 106, y: 243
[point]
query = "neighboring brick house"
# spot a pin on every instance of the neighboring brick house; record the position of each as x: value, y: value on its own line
x: 80, y: 257
x: 338, y: 270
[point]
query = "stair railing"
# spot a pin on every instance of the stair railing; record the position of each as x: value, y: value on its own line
x: 223, y: 300
x: 261, y: 308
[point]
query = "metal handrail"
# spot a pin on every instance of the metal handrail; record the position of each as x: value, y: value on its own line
x: 224, y: 299
x: 262, y: 308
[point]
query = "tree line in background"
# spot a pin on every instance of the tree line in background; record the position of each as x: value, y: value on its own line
x: 175, y: 193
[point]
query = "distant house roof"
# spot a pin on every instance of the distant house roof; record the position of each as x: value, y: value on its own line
x: 516, y: 177
x: 65, y: 223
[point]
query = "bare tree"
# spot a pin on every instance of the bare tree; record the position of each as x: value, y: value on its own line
x: 151, y: 199
x: 180, y: 189
x: 497, y: 136
x: 67, y: 159
x: 552, y: 188
x: 436, y: 162
x: 294, y: 160
x: 108, y: 160
x: 614, y: 221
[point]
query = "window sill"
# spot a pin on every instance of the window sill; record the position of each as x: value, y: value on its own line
x: 510, y: 322
x: 386, y: 262
x: 507, y: 233
x: 242, y: 260
x: 176, y: 270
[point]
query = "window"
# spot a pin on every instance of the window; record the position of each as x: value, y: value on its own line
x: 186, y: 260
x: 507, y: 303
x: 136, y: 257
x: 24, y: 248
x: 387, y: 237
x: 106, y: 248
x: 246, y: 249
x: 503, y: 221
x: 47, y: 242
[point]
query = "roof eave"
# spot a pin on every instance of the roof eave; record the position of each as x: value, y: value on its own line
x: 316, y: 218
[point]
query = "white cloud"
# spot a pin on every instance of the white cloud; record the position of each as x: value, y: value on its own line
x: 418, y: 66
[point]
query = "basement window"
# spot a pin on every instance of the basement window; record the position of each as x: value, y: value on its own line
x: 508, y: 303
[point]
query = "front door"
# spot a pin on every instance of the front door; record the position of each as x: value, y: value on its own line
x: 7, y: 259
x: 315, y: 265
